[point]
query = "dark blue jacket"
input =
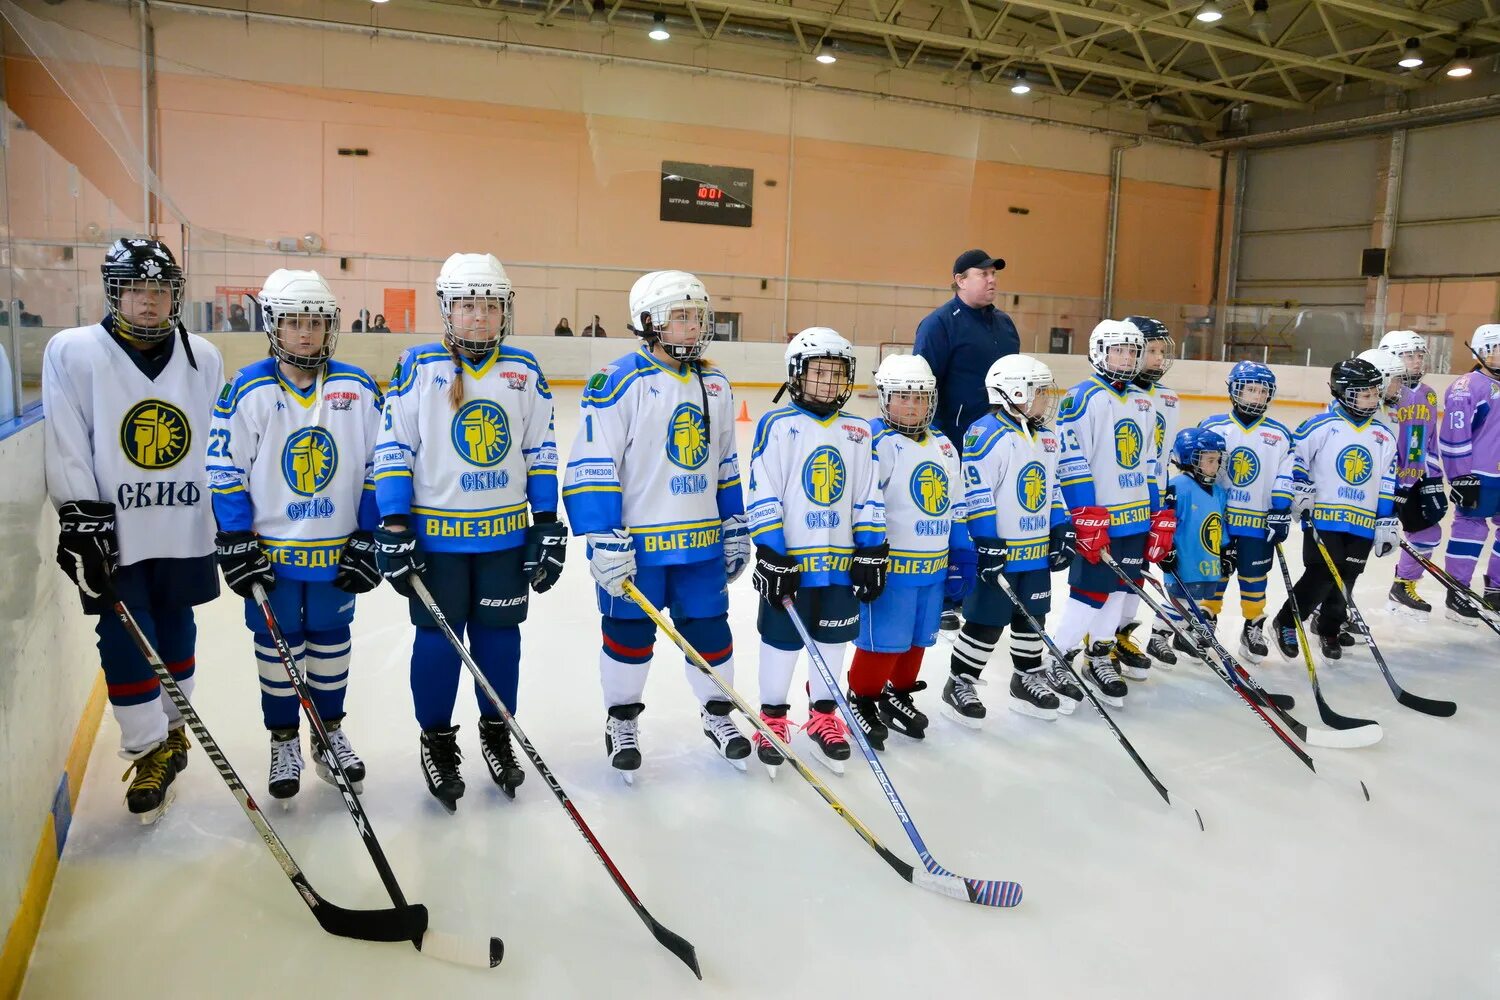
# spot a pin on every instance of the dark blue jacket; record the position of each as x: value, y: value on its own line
x: 960, y: 343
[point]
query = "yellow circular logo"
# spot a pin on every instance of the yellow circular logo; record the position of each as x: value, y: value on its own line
x: 155, y: 434
x: 481, y: 433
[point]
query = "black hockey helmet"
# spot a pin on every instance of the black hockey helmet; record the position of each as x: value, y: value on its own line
x: 140, y: 263
x: 1152, y: 329
x: 1348, y: 378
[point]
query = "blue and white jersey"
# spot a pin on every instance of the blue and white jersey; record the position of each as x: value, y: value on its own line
x: 1200, y: 536
x: 1011, y: 487
x: 1352, y: 466
x: 648, y: 458
x: 466, y: 473
x: 924, y: 506
x: 293, y: 465
x: 1167, y: 406
x: 815, y: 490
x: 1259, y: 464
x: 1109, y: 456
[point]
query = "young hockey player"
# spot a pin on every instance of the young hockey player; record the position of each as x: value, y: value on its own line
x: 127, y: 402
x: 819, y: 527
x: 465, y: 447
x: 1256, y: 474
x: 289, y: 457
x: 1108, y: 470
x: 919, y: 481
x: 1203, y: 553
x: 1421, y: 498
x: 653, y: 480
x: 1346, y: 482
x: 1470, y: 445
x: 1020, y: 530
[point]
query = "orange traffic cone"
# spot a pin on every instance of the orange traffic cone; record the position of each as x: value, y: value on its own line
x: 744, y: 417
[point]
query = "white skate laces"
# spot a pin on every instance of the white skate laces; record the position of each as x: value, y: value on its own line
x: 624, y: 734
x: 286, y: 760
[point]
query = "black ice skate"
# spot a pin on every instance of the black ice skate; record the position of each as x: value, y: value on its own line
x: 1160, y: 648
x: 1456, y: 609
x: 343, y: 752
x: 1100, y: 674
x: 1330, y: 648
x: 774, y: 716
x: 1253, y: 640
x: 900, y: 714
x: 1492, y: 597
x: 867, y: 717
x: 440, y: 760
x: 1131, y: 661
x: 1069, y: 694
x: 1188, y: 648
x: 826, y: 735
x: 1404, y: 600
x: 1030, y: 695
x: 622, y: 739
x: 961, y: 702
x: 150, y: 790
x: 286, y: 764
x: 723, y: 733
x: 500, y: 756
x: 177, y: 739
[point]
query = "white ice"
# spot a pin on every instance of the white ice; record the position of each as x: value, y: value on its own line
x: 1298, y: 887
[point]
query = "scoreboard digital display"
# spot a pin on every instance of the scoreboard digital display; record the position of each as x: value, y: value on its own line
x: 704, y: 194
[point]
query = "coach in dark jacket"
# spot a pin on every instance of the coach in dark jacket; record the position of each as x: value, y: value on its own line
x: 962, y: 338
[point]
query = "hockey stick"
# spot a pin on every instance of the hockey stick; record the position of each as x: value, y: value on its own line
x: 675, y: 943
x: 401, y: 923
x: 982, y: 891
x: 974, y: 891
x: 1342, y: 739
x: 1063, y: 664
x: 1427, y: 706
x: 449, y: 947
x: 1486, y: 613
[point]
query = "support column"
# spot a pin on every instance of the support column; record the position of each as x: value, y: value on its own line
x: 1383, y: 230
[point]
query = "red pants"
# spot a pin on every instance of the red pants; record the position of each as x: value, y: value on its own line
x: 869, y: 672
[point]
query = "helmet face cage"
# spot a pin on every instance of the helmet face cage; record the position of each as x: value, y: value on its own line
x: 1240, y: 398
x: 1194, y: 466
x: 1350, y: 379
x: 277, y: 313
x: 802, y: 380
x: 662, y: 321
x: 1116, y: 371
x: 135, y: 266
x: 1033, y: 401
x: 1155, y: 332
x: 448, y: 302
x: 924, y: 393
x: 1485, y: 346
x: 1414, y: 355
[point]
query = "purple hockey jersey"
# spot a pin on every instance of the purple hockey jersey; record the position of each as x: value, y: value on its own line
x: 1416, y: 420
x: 1470, y: 437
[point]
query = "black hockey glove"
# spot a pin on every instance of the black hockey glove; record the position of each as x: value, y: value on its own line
x: 1278, y: 524
x: 1464, y: 491
x: 1229, y: 558
x: 546, y: 548
x: 867, y: 571
x: 358, y: 573
x: 776, y: 576
x: 1061, y: 547
x: 244, y: 562
x: 86, y: 547
x: 398, y: 555
x: 1168, y: 563
x: 1426, y: 505
x: 991, y: 554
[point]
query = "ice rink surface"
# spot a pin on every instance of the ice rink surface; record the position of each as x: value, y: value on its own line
x: 1298, y: 888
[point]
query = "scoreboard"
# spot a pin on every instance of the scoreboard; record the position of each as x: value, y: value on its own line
x: 704, y: 194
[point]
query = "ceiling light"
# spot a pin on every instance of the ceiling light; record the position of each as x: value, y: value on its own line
x: 825, y: 54
x: 1155, y: 108
x: 1260, y: 19
x: 1020, y: 86
x: 659, y: 30
x: 1460, y: 67
x: 1209, y: 13
x: 1411, y: 56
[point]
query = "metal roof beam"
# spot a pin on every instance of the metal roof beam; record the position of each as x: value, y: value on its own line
x: 1418, y: 19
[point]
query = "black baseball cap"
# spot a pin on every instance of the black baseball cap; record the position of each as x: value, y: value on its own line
x: 976, y: 258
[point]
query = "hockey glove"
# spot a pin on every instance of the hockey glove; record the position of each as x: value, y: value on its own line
x: 1387, y: 536
x: 1278, y: 524
x: 1229, y: 558
x: 1169, y: 564
x: 737, y: 548
x: 398, y: 555
x: 867, y: 571
x: 546, y: 548
x: 612, y: 560
x: 358, y: 573
x: 243, y: 562
x: 961, y: 574
x: 776, y: 576
x: 1062, y: 546
x: 991, y: 554
x: 86, y: 547
x: 1090, y: 531
x: 1464, y: 491
x: 1159, y: 538
x: 1426, y: 505
x: 1304, y: 495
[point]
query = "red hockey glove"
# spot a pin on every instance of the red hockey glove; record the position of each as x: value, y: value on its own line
x: 1159, y: 539
x: 1091, y: 525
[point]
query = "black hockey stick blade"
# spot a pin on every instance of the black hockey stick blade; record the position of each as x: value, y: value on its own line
x: 397, y: 923
x: 675, y: 943
x: 1427, y: 706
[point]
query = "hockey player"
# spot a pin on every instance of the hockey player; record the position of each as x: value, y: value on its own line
x: 465, y: 448
x: 1346, y: 482
x: 1203, y: 553
x: 818, y: 523
x: 1421, y: 498
x: 127, y: 402
x: 289, y: 458
x: 653, y: 480
x: 1108, y: 470
x: 1021, y: 531
x: 924, y: 522
x: 1470, y: 445
x: 1256, y: 474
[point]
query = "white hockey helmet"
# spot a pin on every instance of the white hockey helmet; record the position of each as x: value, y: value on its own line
x: 809, y: 345
x: 1392, y: 372
x: 908, y: 375
x: 1017, y: 382
x: 289, y: 293
x: 1108, y: 335
x: 676, y: 304
x: 1485, y: 346
x: 1411, y: 348
x: 475, y: 276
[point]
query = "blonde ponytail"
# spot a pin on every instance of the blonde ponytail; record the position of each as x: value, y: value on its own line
x: 456, y: 389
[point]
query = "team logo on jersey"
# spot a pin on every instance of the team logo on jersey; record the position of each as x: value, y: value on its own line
x: 823, y: 476
x: 155, y: 434
x: 1161, y: 433
x: 929, y: 489
x: 1356, y: 465
x: 687, y: 437
x: 481, y: 433
x: 1128, y: 444
x: 1244, y: 466
x: 1211, y: 533
x: 1031, y: 487
x: 308, y: 460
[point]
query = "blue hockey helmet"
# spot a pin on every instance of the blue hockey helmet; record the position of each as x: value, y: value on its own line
x: 1190, y: 446
x: 1251, y: 373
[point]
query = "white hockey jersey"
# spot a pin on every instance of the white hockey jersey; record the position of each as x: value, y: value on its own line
x: 1109, y: 457
x: 294, y: 466
x: 113, y: 434
x: 1167, y: 406
x: 815, y: 490
x: 924, y: 505
x: 1011, y: 487
x: 1352, y: 466
x: 648, y: 457
x: 466, y: 476
x: 1259, y: 464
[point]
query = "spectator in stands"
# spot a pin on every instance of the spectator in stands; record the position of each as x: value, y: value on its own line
x: 562, y: 329
x: 379, y: 325
x: 220, y: 324
x: 594, y: 329
x: 26, y: 318
x: 238, y: 321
